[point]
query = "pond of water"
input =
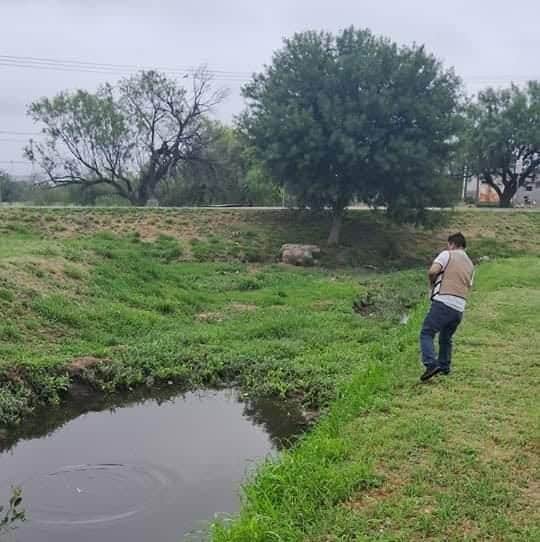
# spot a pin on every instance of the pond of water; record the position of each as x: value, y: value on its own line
x: 140, y: 469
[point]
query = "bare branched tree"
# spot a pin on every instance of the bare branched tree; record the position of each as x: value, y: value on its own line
x: 129, y: 137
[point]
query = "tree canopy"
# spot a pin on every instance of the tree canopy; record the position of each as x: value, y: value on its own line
x: 227, y: 174
x: 353, y: 116
x: 129, y: 137
x: 503, y: 138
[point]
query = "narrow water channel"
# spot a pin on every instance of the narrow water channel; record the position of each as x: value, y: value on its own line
x: 142, y: 469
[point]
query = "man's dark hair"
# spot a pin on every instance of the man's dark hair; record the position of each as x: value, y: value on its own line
x: 458, y: 239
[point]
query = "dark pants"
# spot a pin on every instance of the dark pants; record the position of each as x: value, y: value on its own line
x: 443, y: 320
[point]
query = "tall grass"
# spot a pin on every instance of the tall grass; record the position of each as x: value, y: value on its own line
x: 394, y: 460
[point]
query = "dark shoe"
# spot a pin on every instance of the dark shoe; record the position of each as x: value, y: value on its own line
x: 430, y: 373
x: 445, y: 372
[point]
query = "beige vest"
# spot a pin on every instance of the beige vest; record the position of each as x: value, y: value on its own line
x: 456, y: 278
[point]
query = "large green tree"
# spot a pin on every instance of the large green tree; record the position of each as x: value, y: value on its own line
x: 129, y: 137
x: 503, y: 143
x: 353, y: 116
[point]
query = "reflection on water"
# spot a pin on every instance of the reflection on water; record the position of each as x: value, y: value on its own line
x: 140, y: 468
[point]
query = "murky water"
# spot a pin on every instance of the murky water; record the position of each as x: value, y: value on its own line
x: 154, y: 469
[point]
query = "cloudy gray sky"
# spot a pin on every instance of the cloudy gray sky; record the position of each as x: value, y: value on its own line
x: 487, y: 41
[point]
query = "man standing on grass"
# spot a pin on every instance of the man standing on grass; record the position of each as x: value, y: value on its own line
x: 450, y: 278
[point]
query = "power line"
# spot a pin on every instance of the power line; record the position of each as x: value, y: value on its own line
x: 217, y: 76
x: 106, y: 66
x: 230, y: 75
x: 116, y: 74
x: 11, y: 61
x: 128, y: 66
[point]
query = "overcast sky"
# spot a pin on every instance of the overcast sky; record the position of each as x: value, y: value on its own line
x: 487, y: 41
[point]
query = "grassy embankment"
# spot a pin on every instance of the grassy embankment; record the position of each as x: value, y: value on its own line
x: 392, y: 460
x: 197, y: 297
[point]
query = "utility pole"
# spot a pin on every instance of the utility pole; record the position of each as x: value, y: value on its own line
x: 465, y: 182
x: 32, y: 172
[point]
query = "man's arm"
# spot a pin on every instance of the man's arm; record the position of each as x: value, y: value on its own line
x: 434, y: 272
x: 438, y: 265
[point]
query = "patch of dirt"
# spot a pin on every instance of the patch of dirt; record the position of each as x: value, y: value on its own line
x: 468, y: 528
x: 243, y: 307
x: 53, y: 266
x: 18, y: 277
x: 322, y: 305
x: 210, y: 317
x: 78, y: 365
x: 39, y: 274
x: 371, y: 497
x: 151, y: 232
x: 531, y: 493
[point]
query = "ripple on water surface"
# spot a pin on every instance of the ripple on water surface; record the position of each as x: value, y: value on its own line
x: 93, y: 494
x: 151, y: 469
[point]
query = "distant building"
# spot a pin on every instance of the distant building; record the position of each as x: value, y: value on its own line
x: 531, y: 192
x: 480, y: 192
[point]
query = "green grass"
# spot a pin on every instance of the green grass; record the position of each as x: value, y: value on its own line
x: 198, y: 298
x: 270, y: 329
x: 456, y: 459
x: 256, y: 236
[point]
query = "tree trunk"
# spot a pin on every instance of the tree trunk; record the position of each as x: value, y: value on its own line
x: 505, y: 199
x: 335, y: 230
x: 145, y: 191
x: 139, y: 200
x: 143, y: 196
x: 505, y: 193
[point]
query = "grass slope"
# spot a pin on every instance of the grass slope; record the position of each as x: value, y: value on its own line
x: 270, y: 329
x: 196, y: 297
x: 456, y: 459
x: 256, y: 236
